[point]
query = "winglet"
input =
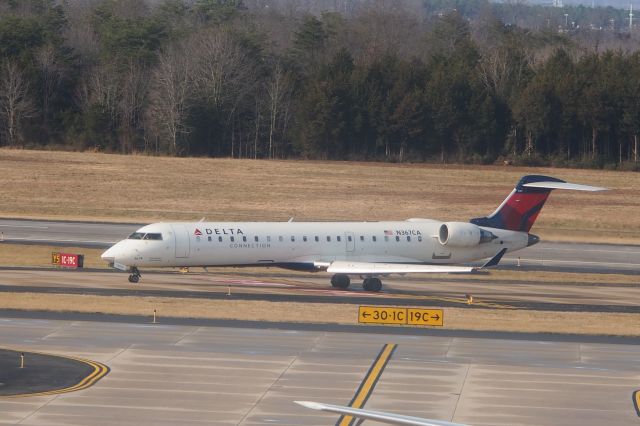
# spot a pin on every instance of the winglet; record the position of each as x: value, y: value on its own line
x: 495, y: 259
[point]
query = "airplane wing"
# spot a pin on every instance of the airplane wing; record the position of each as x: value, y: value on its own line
x: 392, y: 419
x: 364, y: 268
x: 375, y: 268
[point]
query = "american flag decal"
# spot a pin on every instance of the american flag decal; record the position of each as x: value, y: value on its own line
x: 387, y: 232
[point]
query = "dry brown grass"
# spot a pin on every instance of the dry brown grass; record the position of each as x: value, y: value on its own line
x: 40, y: 256
x: 96, y: 186
x: 454, y: 318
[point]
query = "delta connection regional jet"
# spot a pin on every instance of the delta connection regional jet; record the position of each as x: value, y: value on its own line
x: 345, y: 249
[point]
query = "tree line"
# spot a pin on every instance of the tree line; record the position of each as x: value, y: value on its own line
x: 463, y: 81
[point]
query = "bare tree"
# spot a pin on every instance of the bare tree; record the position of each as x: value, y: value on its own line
x: 15, y: 101
x: 501, y: 70
x: 223, y: 67
x: 224, y: 75
x: 384, y: 27
x: 100, y: 86
x: 51, y: 74
x: 170, y: 95
x: 134, y: 88
x: 278, y: 89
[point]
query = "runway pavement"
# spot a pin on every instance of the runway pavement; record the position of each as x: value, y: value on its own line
x: 553, y: 256
x: 197, y: 374
x: 583, y: 296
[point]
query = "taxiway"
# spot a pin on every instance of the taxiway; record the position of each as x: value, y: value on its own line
x: 191, y: 375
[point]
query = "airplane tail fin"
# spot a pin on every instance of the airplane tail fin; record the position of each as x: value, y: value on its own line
x: 520, y: 209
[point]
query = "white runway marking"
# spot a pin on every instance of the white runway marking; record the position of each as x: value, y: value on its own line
x: 24, y: 226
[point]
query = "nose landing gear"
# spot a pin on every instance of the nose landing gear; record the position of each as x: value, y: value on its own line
x: 135, y: 275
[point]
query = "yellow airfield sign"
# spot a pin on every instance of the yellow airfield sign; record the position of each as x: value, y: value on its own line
x: 382, y: 315
x: 400, y: 316
x: 416, y: 316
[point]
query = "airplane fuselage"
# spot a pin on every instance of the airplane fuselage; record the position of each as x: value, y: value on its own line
x: 302, y: 245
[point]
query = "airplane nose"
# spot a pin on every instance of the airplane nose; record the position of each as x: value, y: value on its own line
x: 533, y: 239
x: 109, y: 255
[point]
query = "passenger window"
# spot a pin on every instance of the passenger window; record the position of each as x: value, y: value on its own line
x: 374, y: 239
x: 317, y: 238
x: 244, y: 239
x: 280, y: 238
x: 349, y: 238
x: 328, y: 238
x: 338, y: 238
x: 220, y: 239
x: 304, y: 239
x: 255, y: 238
x: 419, y: 238
x: 408, y: 238
x: 232, y: 239
x: 293, y: 238
x: 361, y: 237
x: 268, y: 238
x: 209, y: 238
x: 397, y: 238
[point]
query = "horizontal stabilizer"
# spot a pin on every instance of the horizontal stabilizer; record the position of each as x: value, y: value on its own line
x: 564, y: 185
x: 379, y: 416
x: 374, y: 268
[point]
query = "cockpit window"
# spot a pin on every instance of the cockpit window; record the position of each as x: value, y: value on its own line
x: 153, y: 236
x: 147, y: 236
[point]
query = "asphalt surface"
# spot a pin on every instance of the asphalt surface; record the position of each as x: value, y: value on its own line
x: 599, y: 296
x: 228, y: 374
x: 552, y: 256
x: 40, y: 373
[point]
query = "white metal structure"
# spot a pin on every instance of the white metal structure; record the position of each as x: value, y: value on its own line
x: 378, y: 416
x: 344, y: 249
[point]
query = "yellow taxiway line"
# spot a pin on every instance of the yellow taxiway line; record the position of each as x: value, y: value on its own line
x: 369, y: 383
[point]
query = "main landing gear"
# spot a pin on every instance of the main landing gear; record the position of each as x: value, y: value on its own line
x: 342, y: 281
x: 135, y: 275
x: 372, y: 284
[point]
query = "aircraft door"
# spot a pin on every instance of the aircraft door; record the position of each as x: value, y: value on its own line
x: 182, y: 245
x: 350, y: 240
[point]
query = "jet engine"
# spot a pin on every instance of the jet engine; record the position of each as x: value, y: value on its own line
x: 463, y: 234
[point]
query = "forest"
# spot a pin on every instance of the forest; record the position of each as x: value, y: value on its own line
x: 466, y: 81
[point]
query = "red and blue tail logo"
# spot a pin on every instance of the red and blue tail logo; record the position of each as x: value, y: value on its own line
x: 520, y: 209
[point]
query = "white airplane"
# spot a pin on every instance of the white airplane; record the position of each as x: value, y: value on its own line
x: 378, y: 416
x: 365, y: 249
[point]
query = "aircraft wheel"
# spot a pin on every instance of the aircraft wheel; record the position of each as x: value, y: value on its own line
x: 340, y: 281
x: 372, y: 284
x: 134, y: 278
